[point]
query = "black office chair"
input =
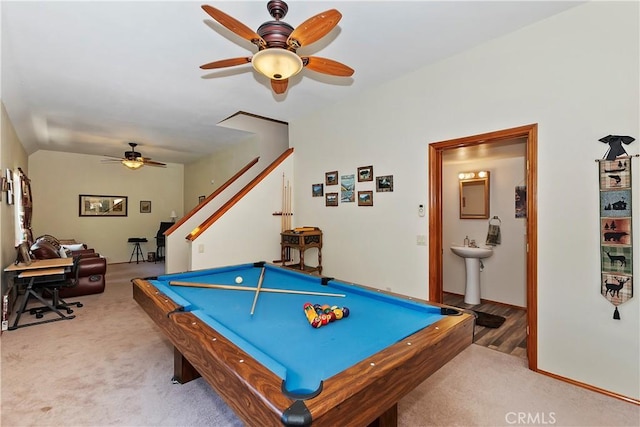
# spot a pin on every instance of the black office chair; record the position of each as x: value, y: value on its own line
x: 51, y: 289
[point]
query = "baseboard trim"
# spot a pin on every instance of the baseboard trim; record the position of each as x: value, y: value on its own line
x: 488, y: 301
x: 590, y: 387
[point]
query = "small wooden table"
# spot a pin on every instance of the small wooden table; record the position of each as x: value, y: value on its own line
x: 47, y: 270
x: 307, y: 238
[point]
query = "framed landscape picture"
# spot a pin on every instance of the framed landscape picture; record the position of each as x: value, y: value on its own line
x: 93, y: 205
x: 317, y: 190
x: 145, y: 206
x: 331, y: 178
x: 384, y: 183
x: 365, y: 173
x: 331, y: 199
x: 365, y: 198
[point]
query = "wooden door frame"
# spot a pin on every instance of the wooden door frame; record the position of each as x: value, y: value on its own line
x: 436, y: 149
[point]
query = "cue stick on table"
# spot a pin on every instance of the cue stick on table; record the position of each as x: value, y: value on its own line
x: 246, y: 288
x: 255, y: 298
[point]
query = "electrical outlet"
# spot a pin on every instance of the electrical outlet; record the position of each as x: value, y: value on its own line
x: 200, y: 249
x: 421, y: 240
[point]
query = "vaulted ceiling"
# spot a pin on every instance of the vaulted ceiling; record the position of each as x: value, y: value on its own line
x: 89, y: 77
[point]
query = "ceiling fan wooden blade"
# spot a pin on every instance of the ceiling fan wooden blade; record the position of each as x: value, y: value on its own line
x: 279, y: 86
x: 314, y: 28
x: 234, y: 25
x: 149, y: 162
x: 232, y: 62
x: 327, y: 66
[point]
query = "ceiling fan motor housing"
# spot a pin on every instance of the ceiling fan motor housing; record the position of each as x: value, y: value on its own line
x: 133, y: 154
x: 275, y: 33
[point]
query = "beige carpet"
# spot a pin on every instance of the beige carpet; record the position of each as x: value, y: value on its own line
x: 110, y: 366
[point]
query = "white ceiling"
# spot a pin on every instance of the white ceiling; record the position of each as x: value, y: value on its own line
x: 88, y: 76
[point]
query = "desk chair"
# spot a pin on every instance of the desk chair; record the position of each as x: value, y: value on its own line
x: 52, y: 288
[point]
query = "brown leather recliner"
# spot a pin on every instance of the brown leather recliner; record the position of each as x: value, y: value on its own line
x: 92, y: 268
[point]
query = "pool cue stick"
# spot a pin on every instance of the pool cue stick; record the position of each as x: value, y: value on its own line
x: 282, y: 225
x: 289, y: 213
x: 246, y: 288
x: 255, y: 298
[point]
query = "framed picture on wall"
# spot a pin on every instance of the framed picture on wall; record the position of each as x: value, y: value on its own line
x: 317, y: 190
x: 365, y: 198
x: 331, y: 199
x: 384, y: 183
x: 145, y: 206
x: 331, y: 178
x: 9, y: 186
x: 365, y: 173
x: 91, y: 205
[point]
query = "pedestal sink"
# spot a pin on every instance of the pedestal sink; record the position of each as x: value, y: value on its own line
x: 472, y: 258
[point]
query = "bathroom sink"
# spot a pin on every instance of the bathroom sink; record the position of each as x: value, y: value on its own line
x: 469, y: 252
x: 472, y: 265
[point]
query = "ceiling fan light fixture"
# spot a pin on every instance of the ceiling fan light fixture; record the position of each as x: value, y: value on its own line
x: 133, y: 164
x: 277, y: 63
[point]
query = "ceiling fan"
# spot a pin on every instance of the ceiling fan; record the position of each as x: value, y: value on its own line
x: 133, y: 159
x: 277, y: 43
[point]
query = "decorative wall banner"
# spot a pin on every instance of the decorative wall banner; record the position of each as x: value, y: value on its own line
x: 616, y: 249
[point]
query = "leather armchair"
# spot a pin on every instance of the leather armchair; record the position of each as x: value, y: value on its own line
x: 91, y: 280
x: 92, y: 268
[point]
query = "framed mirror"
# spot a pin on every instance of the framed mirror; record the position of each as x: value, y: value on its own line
x: 474, y: 195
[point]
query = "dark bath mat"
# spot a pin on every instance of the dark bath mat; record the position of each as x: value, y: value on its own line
x: 489, y: 320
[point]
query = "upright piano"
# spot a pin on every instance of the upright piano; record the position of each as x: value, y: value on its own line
x: 164, y: 226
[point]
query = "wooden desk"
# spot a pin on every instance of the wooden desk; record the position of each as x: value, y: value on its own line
x: 44, y: 271
x: 39, y: 264
x: 302, y: 240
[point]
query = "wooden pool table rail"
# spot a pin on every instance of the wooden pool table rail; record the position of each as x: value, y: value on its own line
x: 360, y: 395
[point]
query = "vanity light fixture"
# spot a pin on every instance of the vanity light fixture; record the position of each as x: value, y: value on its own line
x: 471, y: 175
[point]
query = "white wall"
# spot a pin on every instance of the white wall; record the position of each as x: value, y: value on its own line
x: 504, y: 276
x: 178, y: 248
x: 248, y: 232
x: 266, y: 139
x: 573, y: 75
x: 57, y: 180
x: 12, y: 156
x: 203, y: 177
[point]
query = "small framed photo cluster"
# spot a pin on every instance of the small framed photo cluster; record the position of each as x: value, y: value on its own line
x: 348, y: 192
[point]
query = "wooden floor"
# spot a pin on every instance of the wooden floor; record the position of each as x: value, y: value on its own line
x: 509, y: 338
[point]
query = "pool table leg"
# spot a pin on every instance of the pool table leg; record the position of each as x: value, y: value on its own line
x: 389, y: 418
x: 183, y: 371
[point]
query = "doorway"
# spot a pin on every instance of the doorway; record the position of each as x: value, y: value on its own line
x: 528, y: 133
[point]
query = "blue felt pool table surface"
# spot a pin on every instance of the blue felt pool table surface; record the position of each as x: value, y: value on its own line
x: 279, y: 335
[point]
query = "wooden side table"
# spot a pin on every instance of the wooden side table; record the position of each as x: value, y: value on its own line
x: 302, y: 239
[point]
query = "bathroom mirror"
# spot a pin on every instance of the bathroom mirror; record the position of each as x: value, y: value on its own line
x: 474, y: 195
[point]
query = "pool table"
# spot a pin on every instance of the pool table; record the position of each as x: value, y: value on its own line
x: 274, y: 368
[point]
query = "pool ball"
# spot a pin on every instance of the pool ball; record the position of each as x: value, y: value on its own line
x: 239, y: 279
x: 345, y: 312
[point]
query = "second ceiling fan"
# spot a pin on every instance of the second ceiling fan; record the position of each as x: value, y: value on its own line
x: 277, y: 43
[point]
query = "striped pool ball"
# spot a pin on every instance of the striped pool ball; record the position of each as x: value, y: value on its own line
x: 316, y: 323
